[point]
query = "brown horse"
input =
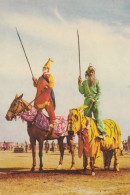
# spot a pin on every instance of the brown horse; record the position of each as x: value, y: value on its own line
x: 17, y: 107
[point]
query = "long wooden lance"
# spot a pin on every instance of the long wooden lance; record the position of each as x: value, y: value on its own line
x: 24, y: 52
x: 79, y: 53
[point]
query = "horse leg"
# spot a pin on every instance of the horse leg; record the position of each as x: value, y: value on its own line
x: 61, y: 148
x: 107, y: 156
x: 97, y: 158
x: 33, y: 145
x: 105, y: 159
x: 85, y: 161
x: 110, y: 154
x: 116, y: 159
x: 71, y: 145
x: 40, y: 155
x: 92, y: 161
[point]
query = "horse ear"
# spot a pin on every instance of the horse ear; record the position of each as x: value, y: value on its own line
x: 82, y: 108
x: 20, y: 97
x: 16, y: 96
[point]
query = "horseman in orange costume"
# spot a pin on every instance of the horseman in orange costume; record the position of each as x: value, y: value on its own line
x: 45, y: 96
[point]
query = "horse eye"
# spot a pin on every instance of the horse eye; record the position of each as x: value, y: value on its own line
x: 14, y: 104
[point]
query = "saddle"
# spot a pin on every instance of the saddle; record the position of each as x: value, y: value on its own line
x: 43, y: 122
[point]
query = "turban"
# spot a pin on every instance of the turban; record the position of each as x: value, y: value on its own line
x: 90, y: 68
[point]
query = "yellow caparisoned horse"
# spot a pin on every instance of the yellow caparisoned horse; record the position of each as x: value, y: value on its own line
x: 89, y: 143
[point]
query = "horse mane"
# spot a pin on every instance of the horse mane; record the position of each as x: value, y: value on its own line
x: 28, y: 105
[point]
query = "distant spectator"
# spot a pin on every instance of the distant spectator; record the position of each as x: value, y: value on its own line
x: 46, y: 146
x: 53, y: 146
x: 121, y: 149
x: 4, y: 146
x: 26, y: 147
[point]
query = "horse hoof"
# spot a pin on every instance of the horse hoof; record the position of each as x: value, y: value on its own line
x: 106, y: 168
x: 40, y: 170
x: 72, y: 168
x: 32, y: 170
x: 85, y: 171
x: 59, y: 166
x: 93, y: 173
x: 117, y: 169
x: 86, y: 168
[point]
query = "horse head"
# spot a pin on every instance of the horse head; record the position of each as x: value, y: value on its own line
x: 17, y: 106
x: 75, y: 120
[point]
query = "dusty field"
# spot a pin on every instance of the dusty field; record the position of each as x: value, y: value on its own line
x: 15, y: 176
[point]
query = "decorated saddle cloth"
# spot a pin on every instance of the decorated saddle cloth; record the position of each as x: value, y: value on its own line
x: 43, y: 122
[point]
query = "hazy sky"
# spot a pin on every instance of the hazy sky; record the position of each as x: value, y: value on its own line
x: 48, y: 28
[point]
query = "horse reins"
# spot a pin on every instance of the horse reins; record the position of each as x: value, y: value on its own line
x: 34, y: 99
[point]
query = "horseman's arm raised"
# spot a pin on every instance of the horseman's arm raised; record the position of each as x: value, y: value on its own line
x: 81, y: 87
x: 34, y: 81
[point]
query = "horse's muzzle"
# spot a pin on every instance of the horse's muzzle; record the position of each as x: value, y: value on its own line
x: 8, y: 117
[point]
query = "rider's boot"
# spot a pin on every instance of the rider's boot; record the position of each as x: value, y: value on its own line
x: 52, y: 134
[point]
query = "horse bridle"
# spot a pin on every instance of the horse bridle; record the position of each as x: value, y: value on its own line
x: 24, y: 106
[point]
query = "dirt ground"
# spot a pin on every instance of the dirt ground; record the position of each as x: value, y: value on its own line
x: 16, y: 178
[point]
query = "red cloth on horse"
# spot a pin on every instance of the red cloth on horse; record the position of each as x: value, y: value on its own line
x: 43, y: 121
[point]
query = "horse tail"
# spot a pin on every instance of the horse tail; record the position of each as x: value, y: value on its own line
x: 113, y: 133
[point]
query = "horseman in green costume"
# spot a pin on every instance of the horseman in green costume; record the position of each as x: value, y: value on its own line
x: 90, y: 88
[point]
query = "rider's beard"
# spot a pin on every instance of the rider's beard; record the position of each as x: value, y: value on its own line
x: 45, y: 71
x: 91, y: 80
